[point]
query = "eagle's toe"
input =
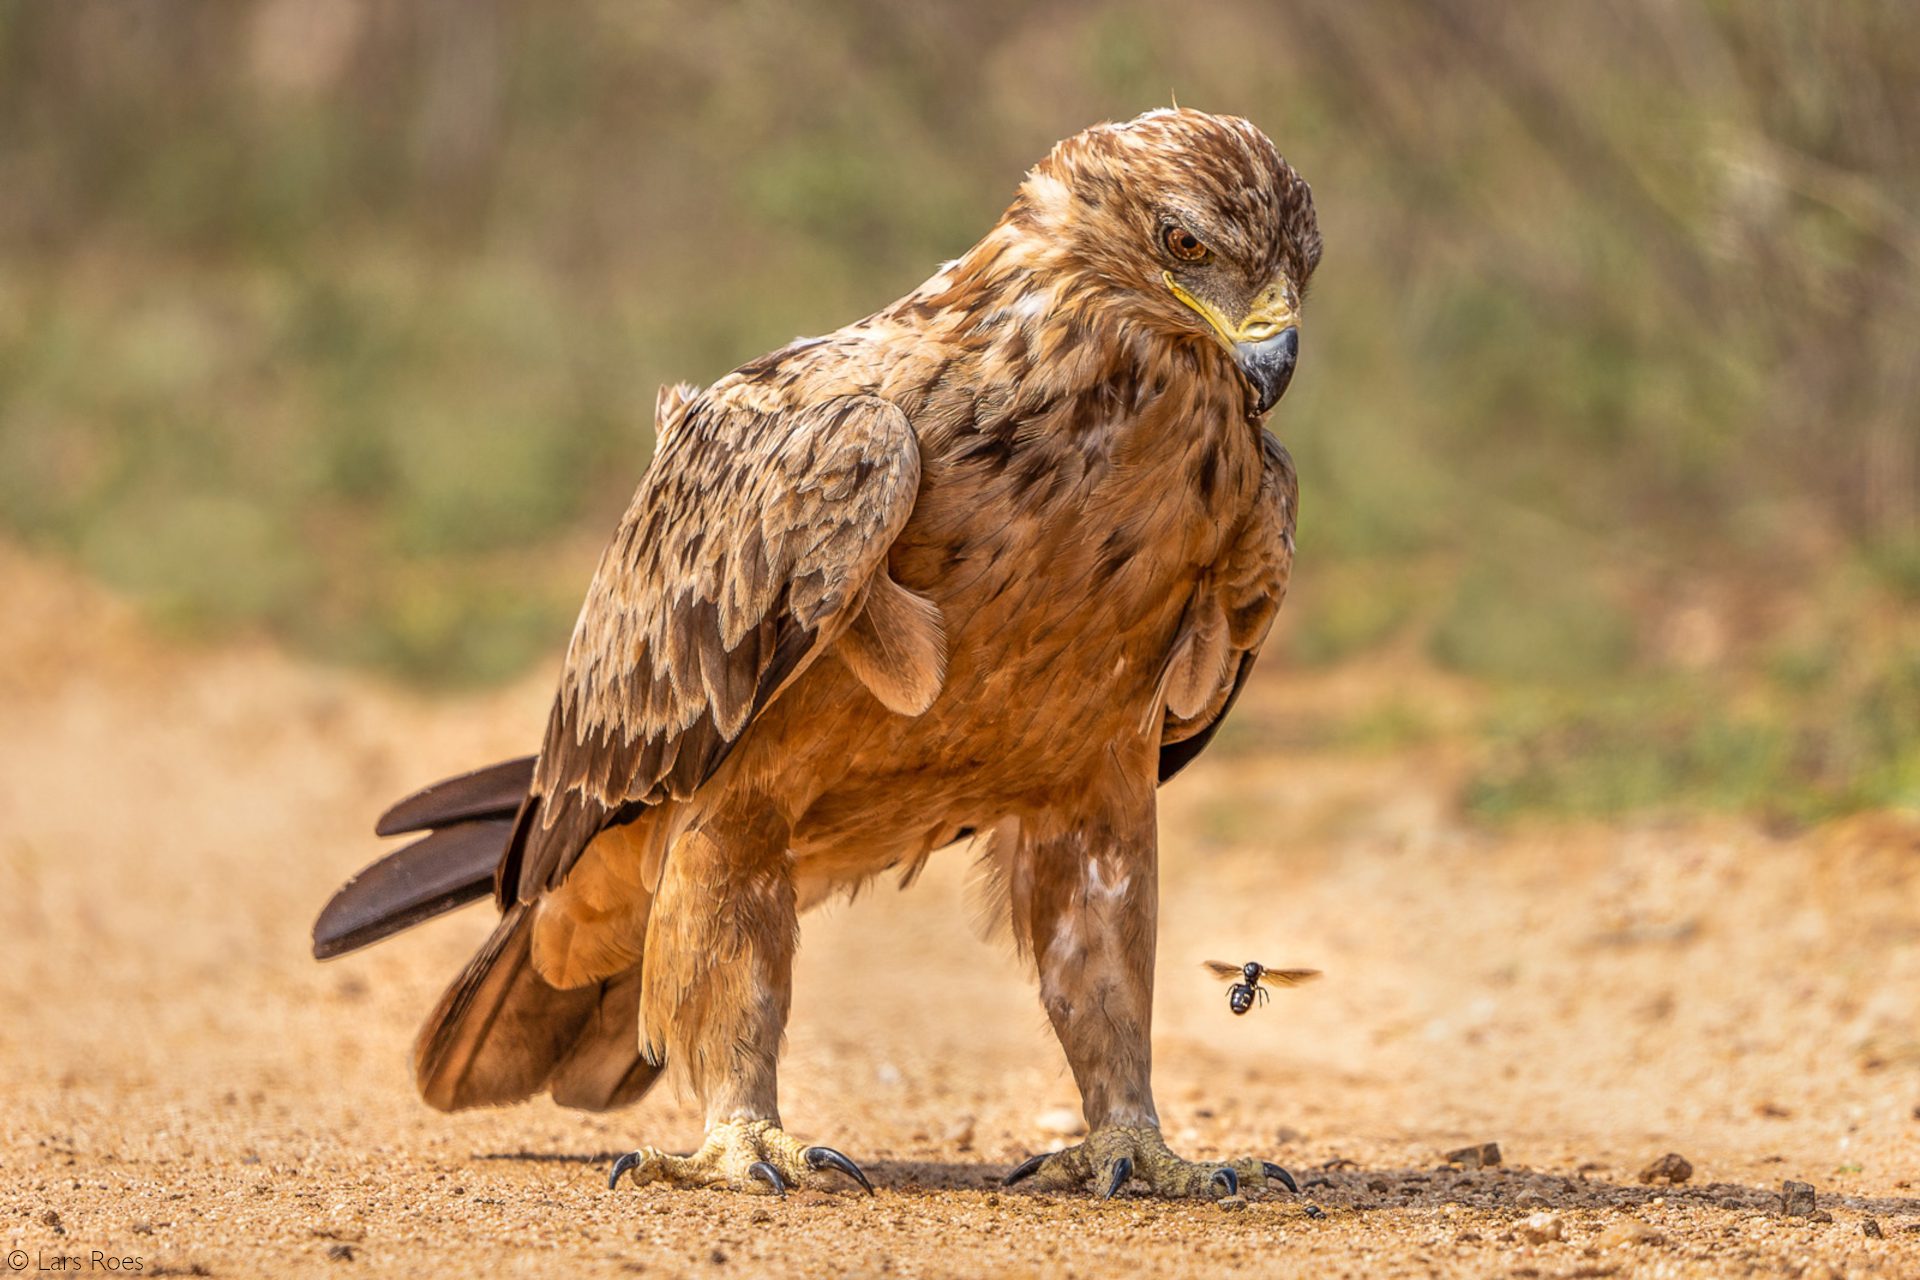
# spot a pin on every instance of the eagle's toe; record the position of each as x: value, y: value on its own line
x: 752, y: 1156
x: 1112, y: 1157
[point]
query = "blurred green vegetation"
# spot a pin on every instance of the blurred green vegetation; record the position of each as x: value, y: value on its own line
x: 342, y: 322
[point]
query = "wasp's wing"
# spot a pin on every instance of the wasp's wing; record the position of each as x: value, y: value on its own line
x: 1288, y: 977
x: 1221, y: 969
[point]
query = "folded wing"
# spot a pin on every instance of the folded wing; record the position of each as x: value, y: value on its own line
x: 1229, y: 618
x: 752, y: 545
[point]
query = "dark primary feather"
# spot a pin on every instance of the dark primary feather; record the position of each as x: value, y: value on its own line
x: 471, y: 819
x: 447, y: 869
x: 493, y: 792
x: 1175, y: 756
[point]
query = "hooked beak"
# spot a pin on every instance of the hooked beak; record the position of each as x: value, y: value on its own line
x: 1268, y: 365
x: 1265, y: 344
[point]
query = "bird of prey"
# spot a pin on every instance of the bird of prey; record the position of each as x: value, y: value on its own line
x: 988, y: 565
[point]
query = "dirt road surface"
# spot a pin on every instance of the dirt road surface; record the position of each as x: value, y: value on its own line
x: 183, y: 1089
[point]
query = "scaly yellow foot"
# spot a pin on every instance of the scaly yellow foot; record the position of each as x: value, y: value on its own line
x: 1111, y: 1157
x: 744, y: 1155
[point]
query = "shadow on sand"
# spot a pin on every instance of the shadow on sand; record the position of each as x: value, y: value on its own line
x: 1341, y: 1186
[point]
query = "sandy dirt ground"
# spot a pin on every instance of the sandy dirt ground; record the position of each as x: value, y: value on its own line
x: 183, y: 1091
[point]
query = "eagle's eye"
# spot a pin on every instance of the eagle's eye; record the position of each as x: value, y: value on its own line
x: 1183, y: 244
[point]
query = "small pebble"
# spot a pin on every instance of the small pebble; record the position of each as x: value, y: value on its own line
x: 1870, y: 1228
x: 1542, y: 1227
x: 1232, y: 1204
x: 1626, y: 1232
x: 340, y: 1252
x: 1530, y: 1200
x: 1484, y: 1155
x: 1671, y: 1168
x: 1796, y: 1199
x: 50, y: 1218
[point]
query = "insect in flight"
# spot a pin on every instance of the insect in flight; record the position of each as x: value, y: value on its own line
x: 1250, y: 975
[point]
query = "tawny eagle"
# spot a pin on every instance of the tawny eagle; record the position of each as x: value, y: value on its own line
x: 988, y: 565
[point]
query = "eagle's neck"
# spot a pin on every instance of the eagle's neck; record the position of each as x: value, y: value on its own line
x: 1021, y: 328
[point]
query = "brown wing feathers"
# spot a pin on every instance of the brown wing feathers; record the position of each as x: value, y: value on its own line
x: 749, y: 547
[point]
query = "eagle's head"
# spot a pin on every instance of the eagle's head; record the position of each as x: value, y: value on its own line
x: 1193, y: 222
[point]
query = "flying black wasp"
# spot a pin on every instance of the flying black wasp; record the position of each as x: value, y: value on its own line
x: 1240, y: 995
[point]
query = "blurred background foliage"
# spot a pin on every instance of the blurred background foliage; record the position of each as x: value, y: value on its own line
x: 341, y: 321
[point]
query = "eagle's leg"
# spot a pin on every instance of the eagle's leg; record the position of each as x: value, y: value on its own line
x: 718, y: 975
x: 1089, y: 895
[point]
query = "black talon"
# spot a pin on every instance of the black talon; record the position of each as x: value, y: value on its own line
x: 1122, y: 1170
x: 1229, y: 1179
x: 768, y: 1174
x: 828, y: 1158
x: 1027, y: 1168
x: 1276, y: 1174
x: 620, y: 1166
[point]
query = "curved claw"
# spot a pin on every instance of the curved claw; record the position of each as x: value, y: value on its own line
x: 1276, y: 1174
x: 620, y: 1166
x: 768, y: 1174
x: 1026, y: 1169
x: 828, y: 1158
x: 1122, y: 1170
x: 1228, y: 1180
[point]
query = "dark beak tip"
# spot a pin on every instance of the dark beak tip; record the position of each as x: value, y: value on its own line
x: 1268, y: 366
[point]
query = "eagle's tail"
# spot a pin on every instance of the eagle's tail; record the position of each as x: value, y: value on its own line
x: 500, y: 1033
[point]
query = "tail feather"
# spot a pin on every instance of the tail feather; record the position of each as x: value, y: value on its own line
x: 501, y: 1034
x: 605, y: 1068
